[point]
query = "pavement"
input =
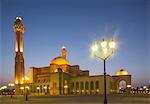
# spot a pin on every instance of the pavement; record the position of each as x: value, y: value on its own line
x: 112, y: 99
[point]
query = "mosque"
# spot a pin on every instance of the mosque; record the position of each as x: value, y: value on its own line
x: 60, y: 77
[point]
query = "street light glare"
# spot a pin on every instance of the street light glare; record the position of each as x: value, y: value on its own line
x: 103, y: 43
x: 105, y: 51
x: 23, y: 78
x: 112, y: 44
x: 94, y: 47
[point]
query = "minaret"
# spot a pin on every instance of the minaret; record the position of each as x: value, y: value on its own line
x: 19, y: 58
x: 63, y: 52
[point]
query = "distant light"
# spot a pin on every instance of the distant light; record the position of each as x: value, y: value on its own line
x: 23, y: 78
x: 18, y: 17
x: 22, y: 88
x: 16, y: 82
x: 63, y: 47
x: 103, y: 43
x: 27, y: 87
x: 26, y: 78
x: 38, y: 88
x: 11, y: 84
x: 128, y: 86
x: 97, y: 90
x: 105, y: 50
x: 66, y: 86
x: 94, y: 47
x: 112, y: 44
x: 45, y: 87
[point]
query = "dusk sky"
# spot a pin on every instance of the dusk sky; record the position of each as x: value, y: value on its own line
x: 75, y: 24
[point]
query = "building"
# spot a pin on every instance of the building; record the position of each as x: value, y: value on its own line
x: 19, y: 58
x: 62, y: 78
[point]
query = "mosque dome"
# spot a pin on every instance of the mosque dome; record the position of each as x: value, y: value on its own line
x: 60, y: 61
x: 122, y: 72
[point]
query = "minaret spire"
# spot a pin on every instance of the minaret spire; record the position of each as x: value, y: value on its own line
x: 63, y: 52
x: 19, y: 58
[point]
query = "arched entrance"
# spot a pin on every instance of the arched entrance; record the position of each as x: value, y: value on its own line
x: 122, y: 86
x: 122, y: 82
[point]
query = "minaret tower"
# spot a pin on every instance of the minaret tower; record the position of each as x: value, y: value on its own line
x: 19, y: 58
x: 63, y: 52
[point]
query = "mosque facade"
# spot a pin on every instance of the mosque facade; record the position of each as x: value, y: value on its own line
x: 60, y: 77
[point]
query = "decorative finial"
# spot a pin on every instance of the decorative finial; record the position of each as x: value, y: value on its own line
x: 63, y: 52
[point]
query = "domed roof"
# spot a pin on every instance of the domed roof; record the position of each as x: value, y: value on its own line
x: 60, y: 61
x: 122, y: 72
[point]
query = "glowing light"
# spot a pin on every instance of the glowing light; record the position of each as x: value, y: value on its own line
x: 22, y: 88
x: 103, y: 44
x: 45, y: 87
x: 3, y: 87
x: 16, y: 49
x: 94, y: 47
x: 18, y: 17
x: 66, y: 86
x: 97, y: 90
x: 38, y: 88
x: 105, y: 51
x: 11, y: 84
x: 63, y: 47
x: 27, y: 87
x: 21, y: 82
x: 112, y: 44
x: 21, y: 49
x: 16, y: 82
x: 128, y: 86
x: 23, y: 78
x: 26, y: 78
x: 56, y: 70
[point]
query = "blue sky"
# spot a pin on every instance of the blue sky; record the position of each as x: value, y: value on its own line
x: 51, y: 24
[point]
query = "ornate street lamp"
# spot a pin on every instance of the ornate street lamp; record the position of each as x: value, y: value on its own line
x: 103, y: 50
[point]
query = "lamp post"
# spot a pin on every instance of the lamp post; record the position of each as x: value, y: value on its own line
x: 26, y: 79
x: 103, y: 51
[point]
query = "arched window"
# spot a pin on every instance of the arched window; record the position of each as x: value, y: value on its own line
x: 86, y: 85
x: 77, y: 85
x: 92, y: 85
x: 81, y: 86
x: 72, y: 85
x: 96, y: 85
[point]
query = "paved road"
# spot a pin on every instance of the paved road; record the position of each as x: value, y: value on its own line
x: 113, y: 99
